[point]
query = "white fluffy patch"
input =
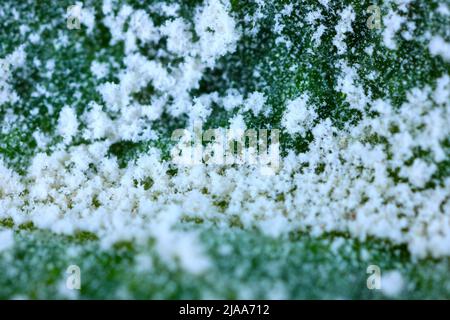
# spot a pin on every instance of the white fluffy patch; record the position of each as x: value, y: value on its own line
x: 343, y: 27
x: 67, y: 124
x: 6, y: 240
x: 216, y: 29
x: 392, y: 22
x: 392, y: 283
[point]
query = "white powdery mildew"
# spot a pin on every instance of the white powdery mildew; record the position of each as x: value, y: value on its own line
x: 443, y: 9
x: 392, y: 22
x: 216, y: 30
x: 313, y: 19
x: 217, y: 35
x: 366, y: 179
x: 6, y: 240
x: 318, y: 35
x: 67, y: 191
x: 255, y: 102
x: 299, y: 116
x: 344, y: 26
x: 99, y: 70
x: 67, y: 124
x: 286, y: 12
x: 349, y: 83
x: 280, y: 18
x: 392, y: 283
x: 342, y: 183
x: 87, y: 18
x: 7, y: 65
x: 253, y: 19
x: 233, y: 99
x: 179, y: 38
x: 10, y: 190
x: 439, y: 47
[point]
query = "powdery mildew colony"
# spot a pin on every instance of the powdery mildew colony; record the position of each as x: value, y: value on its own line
x: 364, y: 179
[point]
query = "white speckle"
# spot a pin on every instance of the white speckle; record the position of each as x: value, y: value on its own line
x: 443, y: 9
x: 299, y: 116
x: 343, y: 27
x: 342, y: 182
x: 67, y: 124
x: 439, y: 47
x: 6, y: 240
x: 99, y: 70
x: 144, y: 263
x: 392, y: 283
x: 392, y: 23
x: 255, y: 102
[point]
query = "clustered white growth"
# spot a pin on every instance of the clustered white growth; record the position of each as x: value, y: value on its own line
x: 6, y: 240
x: 217, y: 36
x: 67, y: 124
x: 342, y: 28
x: 7, y: 65
x: 438, y: 46
x: 364, y: 179
x: 235, y: 146
x: 392, y: 22
x: 299, y: 116
x: 392, y: 283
